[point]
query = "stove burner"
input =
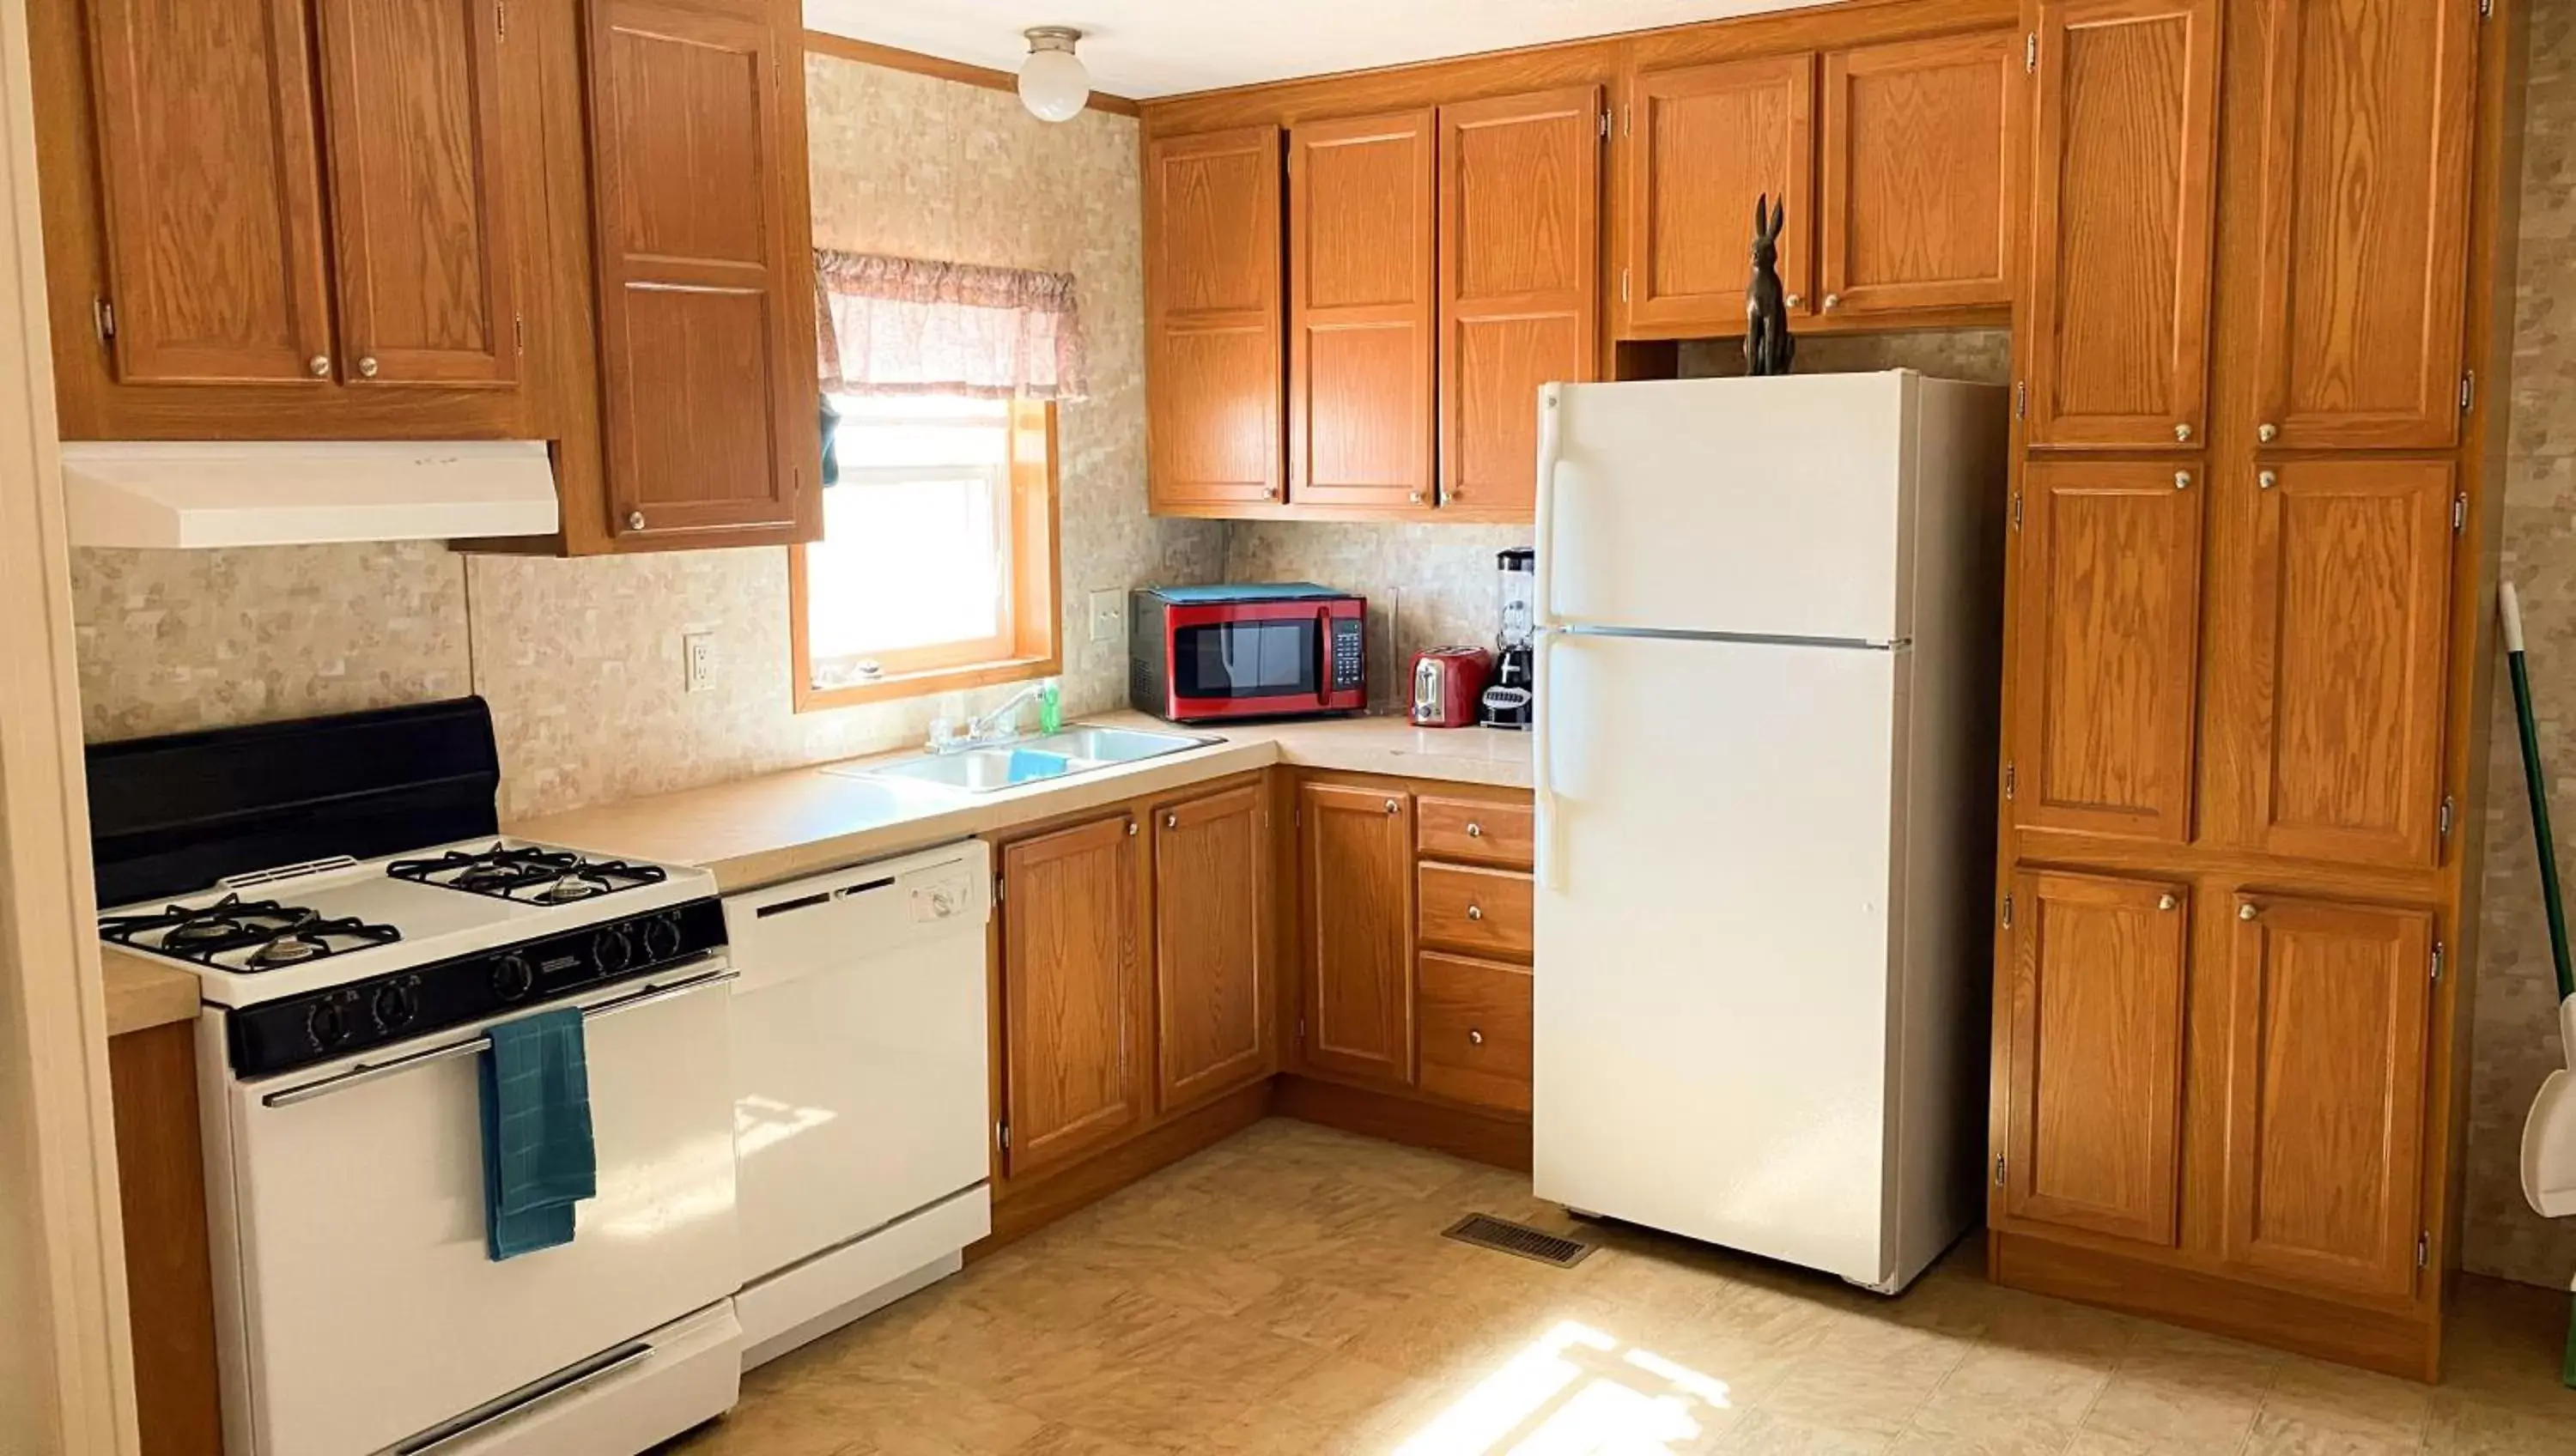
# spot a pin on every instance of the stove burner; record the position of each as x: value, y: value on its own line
x: 235, y: 934
x: 526, y: 874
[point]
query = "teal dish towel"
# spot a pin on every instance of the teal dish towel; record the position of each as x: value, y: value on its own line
x: 538, y: 1158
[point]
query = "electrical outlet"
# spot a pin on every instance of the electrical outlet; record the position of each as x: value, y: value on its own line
x: 1108, y: 616
x: 698, y: 651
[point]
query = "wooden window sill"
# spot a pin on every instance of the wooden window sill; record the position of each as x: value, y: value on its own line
x: 811, y: 699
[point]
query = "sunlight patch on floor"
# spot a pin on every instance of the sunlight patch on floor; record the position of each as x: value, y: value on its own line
x: 1574, y: 1392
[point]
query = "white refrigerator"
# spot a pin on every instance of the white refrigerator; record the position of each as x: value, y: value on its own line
x: 1770, y: 633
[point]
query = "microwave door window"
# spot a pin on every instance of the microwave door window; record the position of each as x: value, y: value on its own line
x: 1248, y: 660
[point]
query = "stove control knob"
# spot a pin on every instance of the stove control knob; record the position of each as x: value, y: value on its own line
x: 397, y: 1002
x: 327, y: 1023
x: 662, y: 938
x: 512, y: 977
x: 611, y: 951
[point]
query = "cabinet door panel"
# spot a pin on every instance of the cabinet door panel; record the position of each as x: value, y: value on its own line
x: 1918, y: 145
x: 2122, y: 182
x: 2352, y: 593
x: 2369, y: 111
x: 1520, y: 218
x: 2096, y: 1012
x: 1073, y: 992
x: 1362, y: 279
x: 1703, y: 143
x: 211, y: 192
x: 705, y: 275
x: 2325, y: 1092
x: 1212, y: 266
x: 2106, y: 633
x: 1357, y: 918
x: 1212, y: 946
x: 413, y: 100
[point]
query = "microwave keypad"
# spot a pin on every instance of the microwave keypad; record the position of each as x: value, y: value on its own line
x: 1349, y: 670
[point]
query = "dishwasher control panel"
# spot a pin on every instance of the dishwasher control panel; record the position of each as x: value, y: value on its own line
x: 947, y: 893
x: 883, y: 908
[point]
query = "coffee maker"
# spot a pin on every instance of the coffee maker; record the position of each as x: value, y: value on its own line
x: 1511, y: 698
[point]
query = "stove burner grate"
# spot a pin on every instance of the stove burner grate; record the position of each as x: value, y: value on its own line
x: 243, y: 935
x: 527, y: 874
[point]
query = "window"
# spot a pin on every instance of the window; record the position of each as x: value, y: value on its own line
x: 937, y: 565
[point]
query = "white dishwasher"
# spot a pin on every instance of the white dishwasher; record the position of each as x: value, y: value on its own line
x: 863, y: 1092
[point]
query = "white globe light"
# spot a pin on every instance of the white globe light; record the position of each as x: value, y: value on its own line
x: 1053, y: 82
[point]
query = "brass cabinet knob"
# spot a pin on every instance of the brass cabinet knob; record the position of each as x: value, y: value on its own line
x: 635, y: 520
x: 2267, y: 433
x: 1171, y: 821
x: 2182, y: 433
x: 1475, y: 830
x: 1270, y: 492
x: 2267, y: 478
x: 2166, y: 901
x: 1833, y: 301
x: 1413, y: 497
x: 1792, y: 300
x: 1475, y: 912
x: 319, y: 366
x: 2182, y: 480
x: 1393, y: 807
x: 2246, y: 912
x: 367, y: 366
x: 1475, y: 1037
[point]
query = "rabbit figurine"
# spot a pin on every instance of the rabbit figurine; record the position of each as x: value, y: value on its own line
x: 1767, y: 345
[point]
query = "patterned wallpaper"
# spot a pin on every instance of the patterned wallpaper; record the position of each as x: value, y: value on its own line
x: 582, y: 659
x: 2515, y: 1027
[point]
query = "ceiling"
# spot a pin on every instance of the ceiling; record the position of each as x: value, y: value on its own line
x: 1147, y: 48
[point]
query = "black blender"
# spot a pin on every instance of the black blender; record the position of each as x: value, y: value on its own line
x: 1511, y: 700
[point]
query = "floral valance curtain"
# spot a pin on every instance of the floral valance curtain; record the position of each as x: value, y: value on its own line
x: 912, y: 326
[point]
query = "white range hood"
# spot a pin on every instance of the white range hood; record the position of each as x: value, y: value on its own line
x: 171, y: 493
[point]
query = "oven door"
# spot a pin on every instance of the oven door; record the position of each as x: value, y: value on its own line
x: 1251, y: 660
x: 370, y: 1312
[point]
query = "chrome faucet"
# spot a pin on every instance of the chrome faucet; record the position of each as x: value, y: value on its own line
x: 986, y: 730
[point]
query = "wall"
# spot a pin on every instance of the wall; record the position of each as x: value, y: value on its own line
x: 2515, y: 1028
x: 581, y: 660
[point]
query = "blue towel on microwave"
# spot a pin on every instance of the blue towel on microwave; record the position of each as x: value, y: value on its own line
x: 538, y: 1158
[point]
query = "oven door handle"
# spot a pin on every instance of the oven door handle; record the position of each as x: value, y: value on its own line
x: 365, y: 1072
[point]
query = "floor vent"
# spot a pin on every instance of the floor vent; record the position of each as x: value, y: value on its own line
x: 1488, y: 1232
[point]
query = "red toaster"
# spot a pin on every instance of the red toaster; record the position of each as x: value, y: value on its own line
x: 1447, y: 684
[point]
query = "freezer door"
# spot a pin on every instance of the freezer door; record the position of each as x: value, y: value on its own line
x: 1752, y: 507
x: 1716, y: 832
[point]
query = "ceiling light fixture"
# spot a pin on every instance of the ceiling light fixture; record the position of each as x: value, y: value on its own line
x: 1053, y: 83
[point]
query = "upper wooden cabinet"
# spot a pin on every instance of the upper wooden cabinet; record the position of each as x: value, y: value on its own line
x: 1355, y: 850
x: 2351, y: 606
x: 705, y: 273
x: 1074, y: 993
x: 1214, y: 326
x: 2105, y: 643
x: 2326, y: 1060
x: 1703, y: 143
x: 191, y: 257
x: 1919, y: 142
x: 412, y: 100
x: 1212, y: 971
x: 2093, y: 1048
x: 2368, y: 115
x: 1363, y: 330
x: 2123, y: 178
x: 1520, y: 263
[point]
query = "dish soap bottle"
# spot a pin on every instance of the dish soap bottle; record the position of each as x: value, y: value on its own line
x: 1050, y: 707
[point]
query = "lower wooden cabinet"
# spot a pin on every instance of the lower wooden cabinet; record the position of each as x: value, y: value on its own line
x: 1355, y: 858
x: 1074, y: 993
x: 2091, y: 1030
x: 1212, y: 938
x: 1476, y: 1031
x: 2328, y: 1015
x: 169, y: 1270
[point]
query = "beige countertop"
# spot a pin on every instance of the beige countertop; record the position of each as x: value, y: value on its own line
x: 143, y: 993
x: 776, y: 827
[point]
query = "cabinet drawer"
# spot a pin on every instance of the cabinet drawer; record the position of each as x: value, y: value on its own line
x: 1480, y: 911
x: 1475, y: 1020
x: 1479, y: 831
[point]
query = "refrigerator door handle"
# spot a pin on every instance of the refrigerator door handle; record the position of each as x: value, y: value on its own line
x: 1551, y: 453
x: 1550, y: 864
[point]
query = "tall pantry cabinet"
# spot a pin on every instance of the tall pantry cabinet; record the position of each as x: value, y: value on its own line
x: 2247, y: 605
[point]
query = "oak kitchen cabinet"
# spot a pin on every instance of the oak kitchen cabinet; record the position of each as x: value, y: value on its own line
x: 1214, y: 964
x: 2245, y: 631
x: 1897, y: 174
x: 1355, y: 922
x: 169, y: 1267
x: 1363, y: 322
x: 446, y: 219
x: 1075, y: 993
x: 1214, y: 326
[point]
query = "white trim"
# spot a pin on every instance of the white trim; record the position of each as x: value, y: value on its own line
x: 66, y: 1364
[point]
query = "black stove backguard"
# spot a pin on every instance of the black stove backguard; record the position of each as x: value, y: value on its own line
x: 170, y: 816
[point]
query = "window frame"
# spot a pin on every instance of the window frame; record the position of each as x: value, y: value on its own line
x: 1029, y: 643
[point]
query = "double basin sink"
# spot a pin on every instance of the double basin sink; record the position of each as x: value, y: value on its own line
x: 1030, y: 760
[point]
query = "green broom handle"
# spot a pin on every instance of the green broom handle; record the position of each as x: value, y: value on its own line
x: 2536, y: 783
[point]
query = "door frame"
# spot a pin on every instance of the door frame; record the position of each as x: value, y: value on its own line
x: 67, y: 1365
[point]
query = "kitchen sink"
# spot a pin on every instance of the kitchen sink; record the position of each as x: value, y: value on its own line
x: 1031, y: 760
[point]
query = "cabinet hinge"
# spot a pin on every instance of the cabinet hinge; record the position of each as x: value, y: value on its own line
x: 2021, y: 400
x: 1002, y: 1136
x: 2007, y: 912
x: 519, y: 332
x: 1131, y: 829
x: 999, y: 885
x: 2008, y: 780
x: 1301, y: 1031
x: 2437, y: 963
x: 2423, y: 1249
x: 104, y: 314
x: 1999, y: 1170
x: 501, y: 20
x: 2468, y: 390
x: 1605, y: 126
x: 2486, y: 9
x: 2459, y: 513
x: 1623, y: 285
x: 2442, y: 821
x: 2016, y: 510
x: 2030, y: 54
x: 1627, y: 118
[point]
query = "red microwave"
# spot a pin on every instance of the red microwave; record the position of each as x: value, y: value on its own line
x: 1200, y: 654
